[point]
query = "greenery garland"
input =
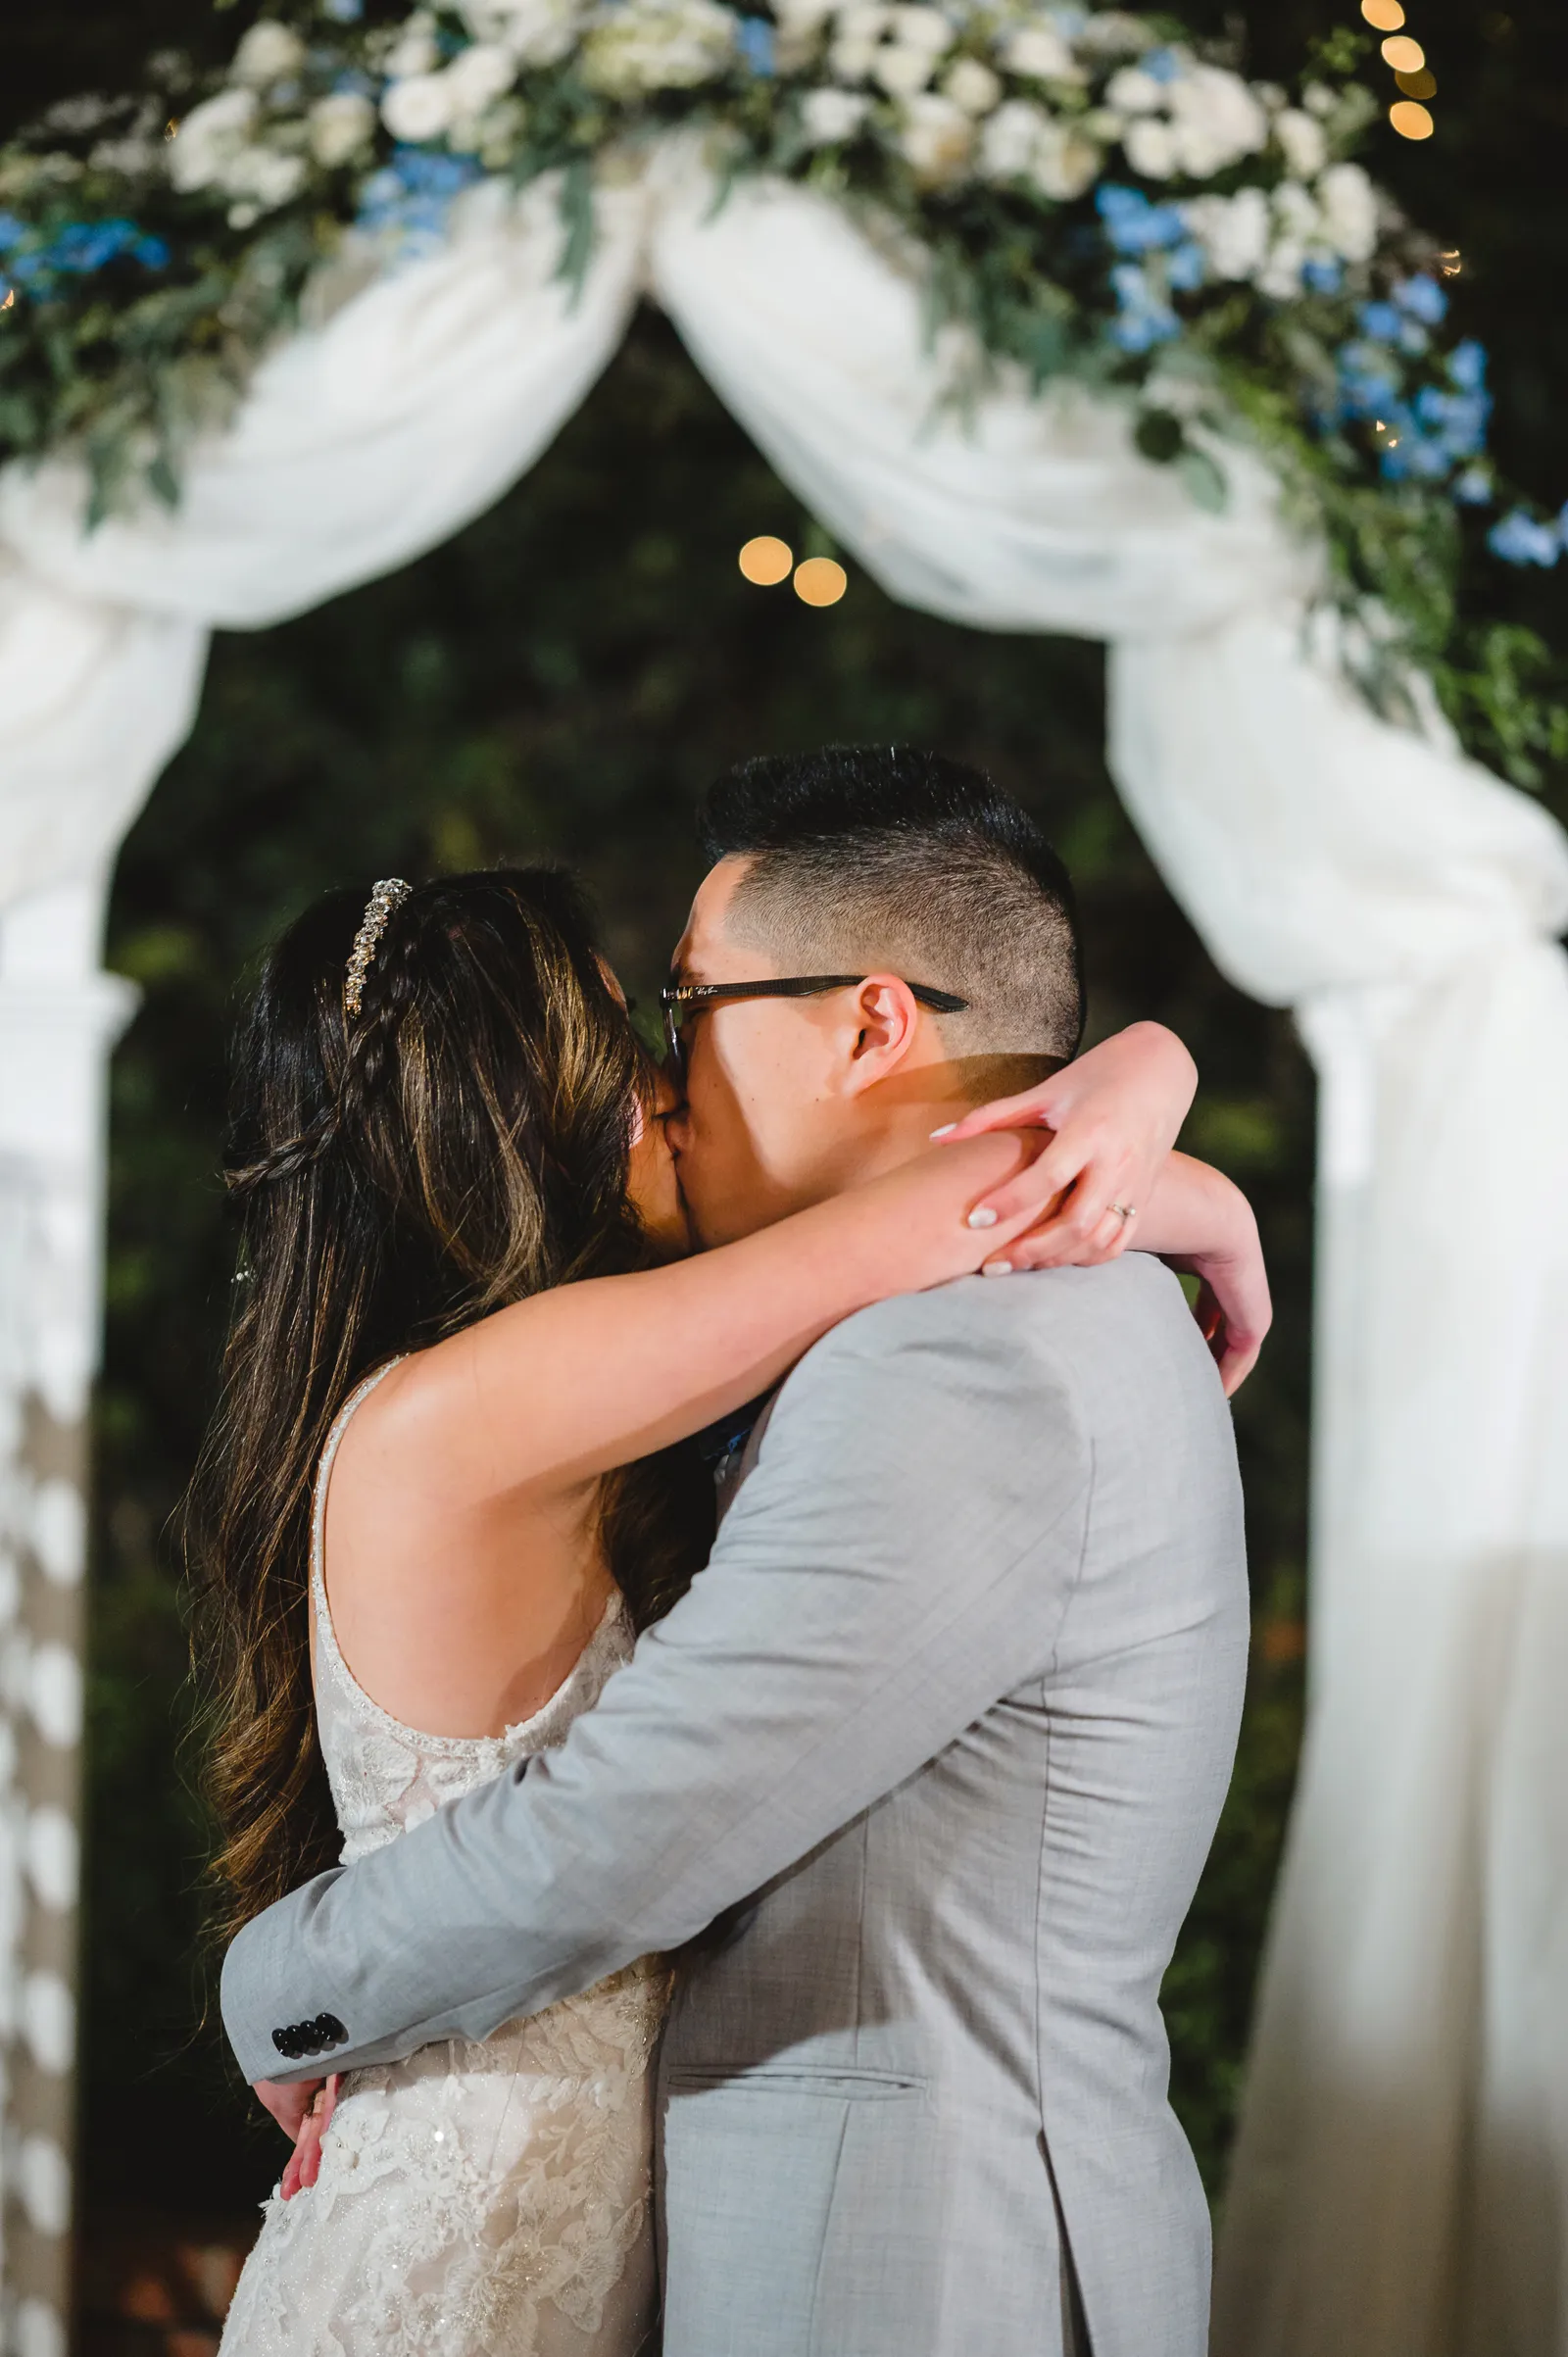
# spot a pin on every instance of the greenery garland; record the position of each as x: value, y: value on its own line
x: 1096, y: 195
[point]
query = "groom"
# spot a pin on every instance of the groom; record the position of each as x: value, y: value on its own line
x: 940, y: 1735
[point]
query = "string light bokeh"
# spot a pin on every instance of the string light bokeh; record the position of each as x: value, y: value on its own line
x: 1405, y: 58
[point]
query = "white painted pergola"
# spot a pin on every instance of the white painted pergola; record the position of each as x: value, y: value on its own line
x: 1397, y: 2189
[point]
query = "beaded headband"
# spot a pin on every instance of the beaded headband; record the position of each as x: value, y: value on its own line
x: 388, y: 895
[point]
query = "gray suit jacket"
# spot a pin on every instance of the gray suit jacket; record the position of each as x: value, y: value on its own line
x: 947, y: 1723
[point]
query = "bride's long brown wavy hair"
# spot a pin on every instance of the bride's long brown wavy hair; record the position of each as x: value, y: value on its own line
x: 462, y: 1143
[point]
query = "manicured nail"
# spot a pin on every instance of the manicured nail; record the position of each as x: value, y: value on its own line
x: 996, y: 1268
x: 946, y: 1131
x: 985, y: 1217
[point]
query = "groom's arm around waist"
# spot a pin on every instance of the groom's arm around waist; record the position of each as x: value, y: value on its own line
x: 898, y: 1559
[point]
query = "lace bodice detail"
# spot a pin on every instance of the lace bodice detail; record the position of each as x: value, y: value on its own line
x: 484, y: 2198
x: 387, y: 1777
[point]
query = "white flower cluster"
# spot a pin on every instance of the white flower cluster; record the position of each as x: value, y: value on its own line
x: 1026, y: 112
x: 1015, y: 94
x: 658, y: 45
x: 1269, y: 241
x: 252, y: 142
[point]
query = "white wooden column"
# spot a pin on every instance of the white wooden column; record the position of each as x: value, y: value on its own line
x: 60, y: 1017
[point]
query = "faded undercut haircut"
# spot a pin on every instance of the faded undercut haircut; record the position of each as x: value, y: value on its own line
x: 886, y: 857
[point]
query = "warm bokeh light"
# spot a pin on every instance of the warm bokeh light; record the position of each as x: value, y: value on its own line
x: 766, y: 560
x: 1449, y: 262
x: 1385, y: 16
x: 1403, y: 55
x: 1418, y: 85
x: 819, y: 581
x: 1410, y: 120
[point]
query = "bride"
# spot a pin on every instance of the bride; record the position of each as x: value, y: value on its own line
x: 442, y: 1492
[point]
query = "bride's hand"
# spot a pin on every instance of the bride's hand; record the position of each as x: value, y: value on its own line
x: 302, y: 2110
x: 1116, y: 1112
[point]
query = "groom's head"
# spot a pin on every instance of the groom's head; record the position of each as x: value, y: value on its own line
x: 915, y: 876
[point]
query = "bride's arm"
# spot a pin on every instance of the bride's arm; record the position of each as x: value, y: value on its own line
x: 550, y: 1391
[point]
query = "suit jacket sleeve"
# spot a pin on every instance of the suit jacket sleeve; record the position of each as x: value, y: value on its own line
x: 898, y: 1559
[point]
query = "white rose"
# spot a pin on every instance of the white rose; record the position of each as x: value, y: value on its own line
x: 659, y: 45
x: 924, y: 29
x: 1067, y: 162
x: 1218, y: 120
x: 829, y: 115
x: 479, y: 75
x: 1281, y: 275
x: 208, y: 136
x: 858, y: 31
x: 1011, y: 140
x: 420, y: 107
x: 1319, y: 99
x: 936, y: 138
x: 1350, y: 208
x: 1040, y: 51
x: 268, y: 53
x: 1296, y: 209
x: 972, y: 86
x: 265, y: 175
x: 1233, y: 230
x: 801, y: 24
x: 1151, y: 146
x: 535, y: 32
x: 1135, y: 92
x: 1109, y: 32
x: 1301, y: 137
x: 339, y: 127
x: 901, y: 71
x: 414, y: 51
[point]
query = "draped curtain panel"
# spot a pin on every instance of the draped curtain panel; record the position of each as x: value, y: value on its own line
x: 1399, y: 2184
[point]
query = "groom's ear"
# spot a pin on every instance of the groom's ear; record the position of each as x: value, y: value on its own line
x: 886, y: 1018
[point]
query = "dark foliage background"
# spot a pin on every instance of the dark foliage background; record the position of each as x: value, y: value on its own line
x: 563, y: 679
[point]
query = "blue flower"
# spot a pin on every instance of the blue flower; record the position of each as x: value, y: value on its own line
x: 1324, y: 273
x: 1518, y: 539
x: 1143, y: 320
x: 1381, y: 321
x: 754, y: 38
x: 1366, y: 387
x: 12, y: 232
x: 344, y: 11
x: 1459, y: 420
x: 1474, y: 487
x: 414, y: 193
x: 1186, y: 268
x: 1423, y: 299
x: 1133, y: 225
x: 354, y: 84
x: 1160, y: 65
x: 1413, y: 338
x: 1467, y: 366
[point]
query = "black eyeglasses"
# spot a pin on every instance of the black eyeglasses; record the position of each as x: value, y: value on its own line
x: 682, y: 998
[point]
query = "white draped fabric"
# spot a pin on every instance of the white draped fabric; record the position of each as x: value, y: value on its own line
x: 1398, y: 2186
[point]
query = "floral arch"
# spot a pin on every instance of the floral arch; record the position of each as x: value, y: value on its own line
x: 1058, y: 326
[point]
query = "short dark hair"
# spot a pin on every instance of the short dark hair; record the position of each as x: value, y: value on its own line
x: 867, y: 855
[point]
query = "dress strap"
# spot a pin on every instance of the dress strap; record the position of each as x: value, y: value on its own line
x: 324, y: 1474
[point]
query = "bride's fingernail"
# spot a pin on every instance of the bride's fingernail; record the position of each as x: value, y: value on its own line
x: 996, y: 1268
x: 985, y: 1217
x: 946, y: 1131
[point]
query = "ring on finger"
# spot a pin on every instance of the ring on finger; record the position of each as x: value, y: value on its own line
x: 1123, y: 1211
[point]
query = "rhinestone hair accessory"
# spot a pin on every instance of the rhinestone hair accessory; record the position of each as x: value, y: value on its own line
x: 388, y: 895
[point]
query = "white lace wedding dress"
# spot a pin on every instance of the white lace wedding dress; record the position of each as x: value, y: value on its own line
x: 481, y: 2199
